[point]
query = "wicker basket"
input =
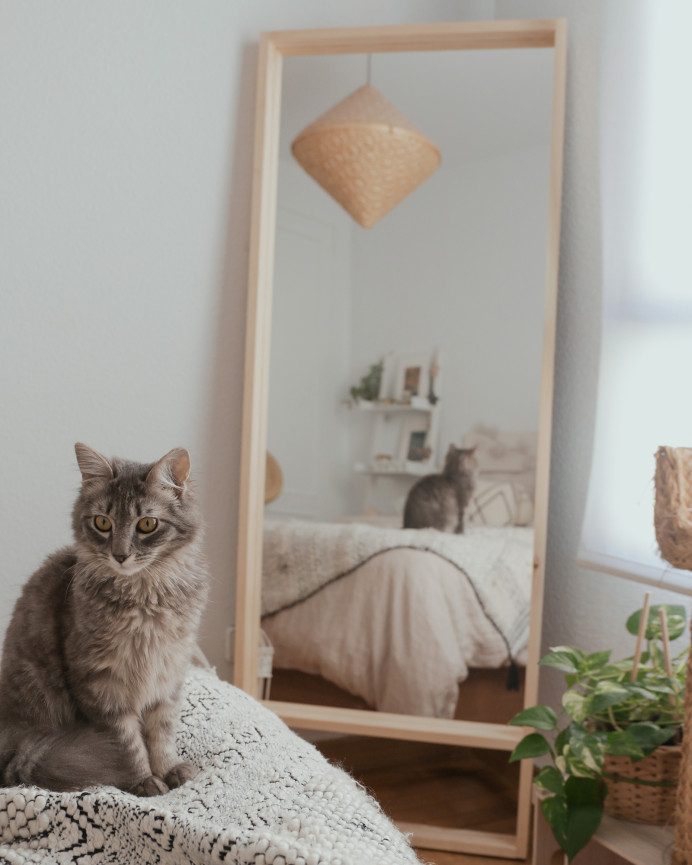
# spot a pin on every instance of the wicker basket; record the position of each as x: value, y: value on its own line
x: 683, y: 810
x: 643, y: 803
x: 673, y: 510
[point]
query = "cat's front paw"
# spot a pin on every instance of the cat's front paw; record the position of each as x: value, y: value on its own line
x: 180, y: 774
x: 151, y: 786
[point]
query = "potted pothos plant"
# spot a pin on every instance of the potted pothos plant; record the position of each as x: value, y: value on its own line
x: 629, y: 709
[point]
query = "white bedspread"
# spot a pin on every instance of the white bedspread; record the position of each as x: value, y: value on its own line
x: 262, y: 796
x: 402, y: 629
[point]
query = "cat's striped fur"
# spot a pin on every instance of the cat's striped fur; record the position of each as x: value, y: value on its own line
x: 98, y: 644
x: 438, y: 501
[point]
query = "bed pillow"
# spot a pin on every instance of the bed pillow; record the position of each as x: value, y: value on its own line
x: 505, y: 456
x: 499, y: 503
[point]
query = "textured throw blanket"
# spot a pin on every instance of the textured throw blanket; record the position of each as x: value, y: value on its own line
x: 262, y: 796
x: 300, y: 558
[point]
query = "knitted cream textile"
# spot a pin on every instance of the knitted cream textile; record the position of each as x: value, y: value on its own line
x: 301, y: 557
x: 262, y: 796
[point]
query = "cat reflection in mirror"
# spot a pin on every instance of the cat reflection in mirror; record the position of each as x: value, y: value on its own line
x: 100, y: 638
x: 438, y: 501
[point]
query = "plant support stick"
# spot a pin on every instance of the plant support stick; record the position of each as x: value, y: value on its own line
x: 666, y: 642
x: 666, y: 649
x: 643, y: 622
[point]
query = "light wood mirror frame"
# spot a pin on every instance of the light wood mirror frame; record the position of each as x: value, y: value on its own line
x: 450, y: 36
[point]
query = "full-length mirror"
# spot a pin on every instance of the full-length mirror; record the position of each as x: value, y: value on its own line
x: 448, y: 286
x: 401, y: 381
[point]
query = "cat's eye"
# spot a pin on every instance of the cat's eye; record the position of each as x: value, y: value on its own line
x: 103, y: 524
x: 147, y: 524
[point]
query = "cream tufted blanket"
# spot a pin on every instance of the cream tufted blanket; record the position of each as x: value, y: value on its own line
x: 262, y: 796
x: 301, y: 558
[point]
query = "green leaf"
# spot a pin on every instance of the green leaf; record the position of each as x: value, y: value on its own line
x: 578, y: 768
x: 677, y: 625
x: 680, y: 666
x: 676, y: 617
x: 661, y: 685
x: 550, y: 779
x: 622, y: 745
x: 606, y: 694
x: 586, y: 751
x: 575, y: 816
x: 598, y: 660
x: 540, y: 717
x: 619, y: 668
x: 562, y: 739
x: 554, y: 810
x: 565, y: 658
x: 533, y: 745
x: 649, y: 736
x: 576, y: 705
x: 640, y: 691
x: 584, y: 801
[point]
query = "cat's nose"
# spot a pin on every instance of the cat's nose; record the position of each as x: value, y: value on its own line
x: 120, y: 557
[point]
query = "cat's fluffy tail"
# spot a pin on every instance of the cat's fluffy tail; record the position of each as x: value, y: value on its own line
x: 71, y: 759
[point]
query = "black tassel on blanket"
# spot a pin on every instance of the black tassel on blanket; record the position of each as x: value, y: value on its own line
x: 513, y: 680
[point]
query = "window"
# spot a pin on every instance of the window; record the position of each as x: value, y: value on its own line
x: 645, y: 386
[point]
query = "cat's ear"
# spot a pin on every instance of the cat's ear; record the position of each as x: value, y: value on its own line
x: 91, y: 464
x: 172, y: 471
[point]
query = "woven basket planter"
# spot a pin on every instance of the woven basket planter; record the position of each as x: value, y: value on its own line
x: 673, y: 510
x: 643, y: 803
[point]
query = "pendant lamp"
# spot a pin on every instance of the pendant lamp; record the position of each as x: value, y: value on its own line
x: 366, y: 154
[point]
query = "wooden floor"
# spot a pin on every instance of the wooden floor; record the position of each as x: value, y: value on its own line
x: 434, y: 784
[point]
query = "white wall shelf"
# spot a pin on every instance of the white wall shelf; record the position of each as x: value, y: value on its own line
x: 407, y: 468
x: 416, y: 404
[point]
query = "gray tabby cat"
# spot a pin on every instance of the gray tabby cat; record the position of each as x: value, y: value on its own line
x: 100, y: 638
x: 438, y: 501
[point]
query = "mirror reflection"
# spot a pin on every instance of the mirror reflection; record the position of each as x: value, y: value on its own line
x: 404, y: 397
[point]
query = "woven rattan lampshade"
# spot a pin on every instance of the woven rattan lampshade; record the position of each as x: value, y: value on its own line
x: 366, y: 154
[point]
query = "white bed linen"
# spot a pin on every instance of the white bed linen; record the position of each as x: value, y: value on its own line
x: 401, y: 631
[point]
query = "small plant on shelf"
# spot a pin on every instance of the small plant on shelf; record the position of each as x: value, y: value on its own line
x: 369, y: 387
x: 629, y: 709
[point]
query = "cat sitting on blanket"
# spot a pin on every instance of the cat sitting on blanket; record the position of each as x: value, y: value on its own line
x: 438, y: 501
x: 99, y: 641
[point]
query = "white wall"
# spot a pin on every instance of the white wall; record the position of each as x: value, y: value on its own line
x: 310, y: 370
x: 458, y: 266
x: 582, y: 608
x: 461, y: 265
x: 125, y: 175
x: 125, y: 172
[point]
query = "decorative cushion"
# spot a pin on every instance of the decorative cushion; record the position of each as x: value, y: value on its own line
x: 499, y: 503
x: 505, y: 456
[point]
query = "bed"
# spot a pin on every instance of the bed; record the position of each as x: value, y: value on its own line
x: 396, y: 618
x: 362, y: 613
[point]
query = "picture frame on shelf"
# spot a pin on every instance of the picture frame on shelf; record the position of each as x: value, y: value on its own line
x: 413, y: 445
x: 411, y: 376
x: 388, y: 362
